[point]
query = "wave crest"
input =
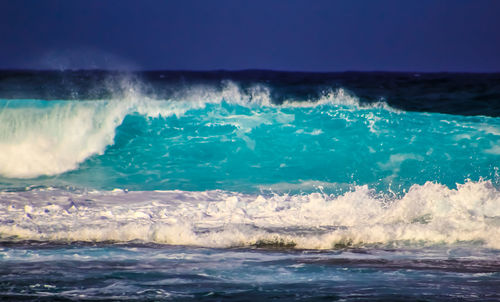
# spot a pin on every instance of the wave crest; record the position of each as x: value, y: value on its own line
x: 52, y: 137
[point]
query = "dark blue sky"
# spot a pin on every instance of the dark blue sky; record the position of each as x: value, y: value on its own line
x: 314, y: 35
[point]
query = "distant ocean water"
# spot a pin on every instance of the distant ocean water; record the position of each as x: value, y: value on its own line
x: 249, y: 185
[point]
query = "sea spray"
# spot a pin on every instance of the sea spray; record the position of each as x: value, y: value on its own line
x: 249, y: 185
x: 426, y: 215
x: 237, y: 139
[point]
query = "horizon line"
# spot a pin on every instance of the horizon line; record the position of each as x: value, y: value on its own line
x: 241, y: 70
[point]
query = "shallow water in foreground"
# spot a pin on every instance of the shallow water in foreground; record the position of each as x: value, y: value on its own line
x: 157, y: 272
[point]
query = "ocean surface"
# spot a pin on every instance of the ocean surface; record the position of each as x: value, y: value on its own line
x: 249, y: 186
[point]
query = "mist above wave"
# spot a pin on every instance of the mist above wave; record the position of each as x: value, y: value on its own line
x: 453, y: 93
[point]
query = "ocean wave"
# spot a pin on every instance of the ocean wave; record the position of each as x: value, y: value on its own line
x: 51, y: 137
x: 429, y: 214
x: 238, y: 139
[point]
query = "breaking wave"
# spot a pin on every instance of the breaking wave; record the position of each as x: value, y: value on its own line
x: 429, y: 214
x: 52, y: 137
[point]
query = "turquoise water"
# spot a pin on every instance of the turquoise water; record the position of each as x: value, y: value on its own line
x: 246, y: 146
x: 250, y: 190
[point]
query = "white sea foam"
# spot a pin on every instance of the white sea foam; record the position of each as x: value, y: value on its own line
x: 428, y: 214
x: 52, y: 137
x: 55, y: 138
x: 37, y: 141
x: 338, y: 97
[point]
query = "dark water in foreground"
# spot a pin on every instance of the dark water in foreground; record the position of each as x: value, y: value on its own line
x: 156, y: 273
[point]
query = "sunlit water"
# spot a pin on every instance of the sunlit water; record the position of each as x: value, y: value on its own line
x: 211, y: 186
